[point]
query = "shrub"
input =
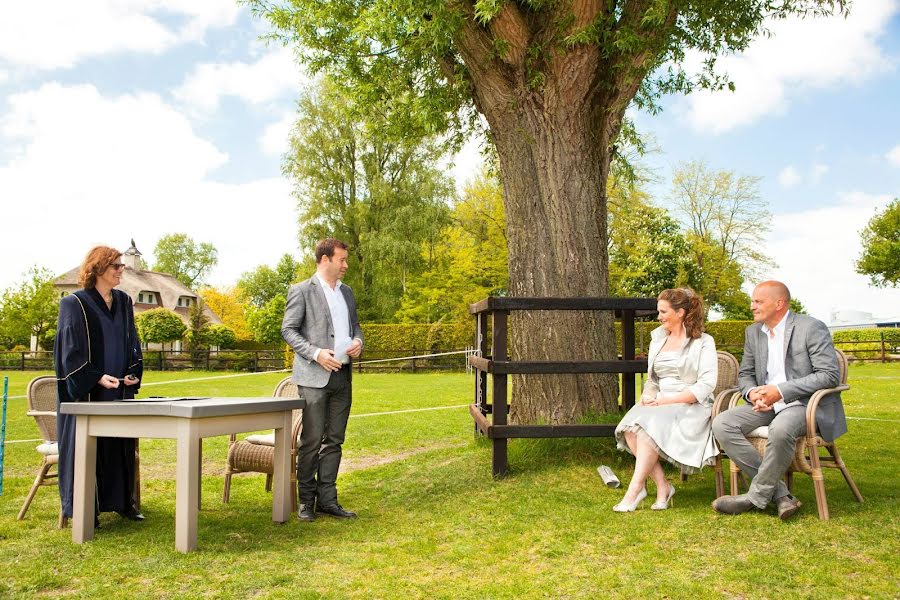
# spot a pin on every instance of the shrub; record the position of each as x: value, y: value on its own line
x: 866, y: 343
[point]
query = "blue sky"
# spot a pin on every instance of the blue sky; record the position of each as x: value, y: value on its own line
x: 156, y: 116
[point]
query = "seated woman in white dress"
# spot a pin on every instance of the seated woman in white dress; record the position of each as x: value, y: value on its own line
x: 672, y: 419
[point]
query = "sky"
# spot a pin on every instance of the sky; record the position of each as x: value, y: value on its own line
x: 152, y: 117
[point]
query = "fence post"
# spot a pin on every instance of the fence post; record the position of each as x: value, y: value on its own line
x: 23, y: 360
x: 883, y: 354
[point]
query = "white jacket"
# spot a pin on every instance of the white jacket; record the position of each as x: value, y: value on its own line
x: 698, y: 366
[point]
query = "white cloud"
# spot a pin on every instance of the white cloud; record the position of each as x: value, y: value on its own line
x: 274, y: 140
x: 4, y: 76
x: 817, y: 172
x: 273, y: 75
x: 816, y: 251
x: 89, y: 169
x: 789, y: 177
x: 803, y: 54
x: 35, y: 35
x: 893, y: 156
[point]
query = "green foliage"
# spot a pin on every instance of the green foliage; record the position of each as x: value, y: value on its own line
x: 229, y: 305
x: 198, y: 325
x: 265, y: 322
x: 30, y: 308
x: 189, y: 262
x: 221, y: 335
x: 263, y: 283
x: 379, y: 190
x: 648, y: 252
x: 866, y: 343
x: 159, y: 325
x: 468, y: 262
x: 429, y: 337
x: 880, y: 258
x: 726, y: 221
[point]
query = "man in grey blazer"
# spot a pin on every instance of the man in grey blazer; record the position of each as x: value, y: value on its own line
x: 787, y: 357
x: 321, y: 325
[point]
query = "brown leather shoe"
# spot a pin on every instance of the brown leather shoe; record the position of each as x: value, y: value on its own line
x: 733, y: 505
x: 788, y: 506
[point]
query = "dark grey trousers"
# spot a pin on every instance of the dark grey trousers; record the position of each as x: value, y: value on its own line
x: 324, y: 426
x: 731, y: 428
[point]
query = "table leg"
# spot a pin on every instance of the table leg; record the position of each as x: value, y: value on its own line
x: 85, y: 482
x: 187, y: 485
x: 281, y: 491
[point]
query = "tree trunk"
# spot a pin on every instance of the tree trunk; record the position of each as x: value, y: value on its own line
x: 554, y: 168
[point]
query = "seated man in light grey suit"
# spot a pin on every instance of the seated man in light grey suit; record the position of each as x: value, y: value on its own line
x: 787, y: 357
x: 321, y: 325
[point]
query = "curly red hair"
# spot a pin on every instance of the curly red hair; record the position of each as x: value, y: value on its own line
x: 95, y: 263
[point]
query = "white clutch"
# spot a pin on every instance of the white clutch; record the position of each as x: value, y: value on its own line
x: 608, y: 477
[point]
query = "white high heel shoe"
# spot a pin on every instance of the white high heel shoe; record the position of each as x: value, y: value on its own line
x: 668, y: 501
x: 631, y: 506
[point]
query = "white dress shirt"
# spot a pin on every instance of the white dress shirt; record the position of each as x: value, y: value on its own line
x: 775, y: 373
x: 340, y: 320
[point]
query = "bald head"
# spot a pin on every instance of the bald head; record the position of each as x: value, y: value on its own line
x: 770, y: 302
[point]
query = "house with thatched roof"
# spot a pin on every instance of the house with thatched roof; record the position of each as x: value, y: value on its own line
x: 148, y: 289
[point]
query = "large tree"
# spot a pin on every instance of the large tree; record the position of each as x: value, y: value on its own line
x: 880, y: 258
x: 552, y: 80
x: 264, y: 283
x: 188, y: 261
x: 29, y: 309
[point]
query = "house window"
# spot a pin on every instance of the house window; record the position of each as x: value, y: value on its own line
x: 185, y: 301
x: 146, y: 298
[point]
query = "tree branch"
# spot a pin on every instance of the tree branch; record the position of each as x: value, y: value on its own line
x: 509, y: 26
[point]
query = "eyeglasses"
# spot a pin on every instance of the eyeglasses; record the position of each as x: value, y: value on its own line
x: 117, y: 266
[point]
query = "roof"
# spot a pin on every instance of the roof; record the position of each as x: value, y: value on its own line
x: 167, y: 287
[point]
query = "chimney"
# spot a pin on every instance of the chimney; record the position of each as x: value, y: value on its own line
x: 132, y: 258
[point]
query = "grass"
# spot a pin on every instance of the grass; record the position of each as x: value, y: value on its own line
x: 433, y: 524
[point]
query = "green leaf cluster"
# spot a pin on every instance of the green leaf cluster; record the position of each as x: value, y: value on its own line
x: 159, y: 325
x: 263, y: 283
x: 880, y: 258
x: 265, y: 321
x: 30, y: 308
x: 189, y: 262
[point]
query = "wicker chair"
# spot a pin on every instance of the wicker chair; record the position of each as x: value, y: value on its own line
x: 41, y: 396
x: 806, y: 454
x: 726, y: 388
x: 256, y: 454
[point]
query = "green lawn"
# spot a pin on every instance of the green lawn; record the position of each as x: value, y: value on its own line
x: 433, y: 524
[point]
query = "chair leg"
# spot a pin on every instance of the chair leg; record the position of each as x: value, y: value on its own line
x: 226, y: 493
x: 38, y: 481
x: 818, y: 481
x: 268, y: 483
x: 720, y: 480
x: 735, y: 472
x: 789, y: 481
x: 839, y: 463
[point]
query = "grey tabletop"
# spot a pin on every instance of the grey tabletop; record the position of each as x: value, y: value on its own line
x: 183, y: 407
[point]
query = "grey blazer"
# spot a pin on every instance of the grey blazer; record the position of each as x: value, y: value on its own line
x: 307, y: 328
x: 810, y: 364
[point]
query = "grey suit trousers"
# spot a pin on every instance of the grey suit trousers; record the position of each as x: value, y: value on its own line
x: 324, y: 427
x: 731, y: 428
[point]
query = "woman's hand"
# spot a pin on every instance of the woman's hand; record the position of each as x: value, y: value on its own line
x: 109, y: 382
x: 651, y: 401
x: 131, y: 380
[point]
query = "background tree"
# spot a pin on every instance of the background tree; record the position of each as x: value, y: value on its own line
x: 880, y: 258
x: 726, y: 221
x: 647, y: 250
x: 553, y: 81
x: 159, y: 326
x: 229, y: 305
x: 467, y: 262
x: 198, y: 326
x: 263, y: 283
x: 383, y: 194
x: 221, y: 336
x: 29, y: 309
x: 179, y: 256
x: 265, y: 322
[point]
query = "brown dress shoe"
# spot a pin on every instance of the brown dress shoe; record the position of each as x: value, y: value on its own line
x: 788, y: 506
x: 733, y: 505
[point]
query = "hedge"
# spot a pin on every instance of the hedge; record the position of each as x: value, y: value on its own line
x: 891, y: 336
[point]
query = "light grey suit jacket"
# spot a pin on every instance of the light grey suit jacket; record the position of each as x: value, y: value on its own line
x: 307, y: 327
x: 810, y: 364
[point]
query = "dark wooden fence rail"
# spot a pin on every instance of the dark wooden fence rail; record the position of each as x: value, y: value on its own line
x: 497, y: 364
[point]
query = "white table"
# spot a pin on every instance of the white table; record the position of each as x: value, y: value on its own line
x: 188, y: 421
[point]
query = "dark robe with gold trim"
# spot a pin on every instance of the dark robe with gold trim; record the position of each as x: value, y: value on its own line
x: 92, y: 340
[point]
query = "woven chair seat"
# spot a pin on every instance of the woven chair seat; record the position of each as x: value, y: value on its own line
x: 800, y: 463
x: 246, y: 456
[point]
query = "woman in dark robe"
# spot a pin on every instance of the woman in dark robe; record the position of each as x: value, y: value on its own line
x: 97, y: 355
